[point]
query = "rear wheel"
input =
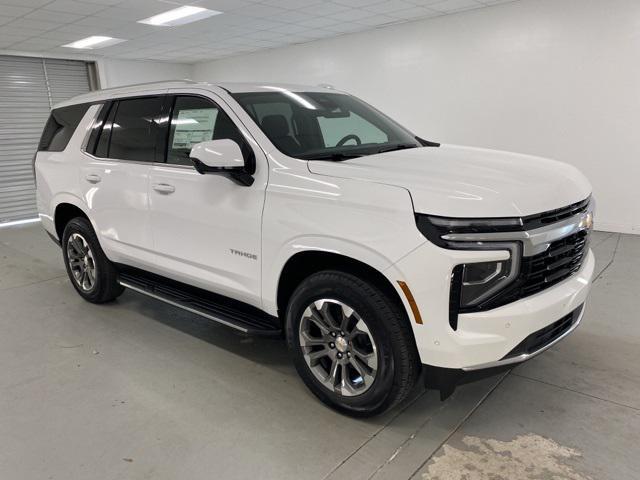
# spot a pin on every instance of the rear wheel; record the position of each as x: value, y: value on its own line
x: 93, y: 276
x: 351, y: 344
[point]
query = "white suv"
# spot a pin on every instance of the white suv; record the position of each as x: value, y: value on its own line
x: 303, y: 211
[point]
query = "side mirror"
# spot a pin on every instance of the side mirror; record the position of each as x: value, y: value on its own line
x: 220, y: 156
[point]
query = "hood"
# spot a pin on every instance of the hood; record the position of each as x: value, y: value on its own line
x: 459, y: 181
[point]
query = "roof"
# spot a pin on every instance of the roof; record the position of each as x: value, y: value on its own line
x: 229, y: 86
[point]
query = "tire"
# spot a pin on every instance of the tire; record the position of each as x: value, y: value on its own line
x: 384, y: 334
x: 82, y: 255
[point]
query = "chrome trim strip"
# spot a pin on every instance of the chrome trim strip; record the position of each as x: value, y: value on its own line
x: 136, y: 162
x: 184, y: 307
x: 526, y: 356
x: 116, y: 160
x: 174, y: 165
x: 534, y: 241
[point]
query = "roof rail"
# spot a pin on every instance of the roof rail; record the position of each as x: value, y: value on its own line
x: 162, y: 82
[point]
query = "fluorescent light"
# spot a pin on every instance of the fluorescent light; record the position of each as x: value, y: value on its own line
x: 179, y: 16
x: 95, y: 41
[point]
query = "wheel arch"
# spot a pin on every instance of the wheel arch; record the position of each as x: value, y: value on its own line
x: 305, y: 263
x: 63, y: 213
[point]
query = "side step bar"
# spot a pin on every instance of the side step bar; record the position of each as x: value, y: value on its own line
x: 223, y: 310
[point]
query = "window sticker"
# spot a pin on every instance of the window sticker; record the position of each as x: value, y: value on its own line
x: 193, y: 126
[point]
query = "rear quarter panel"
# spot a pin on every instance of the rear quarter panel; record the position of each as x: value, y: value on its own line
x: 57, y: 174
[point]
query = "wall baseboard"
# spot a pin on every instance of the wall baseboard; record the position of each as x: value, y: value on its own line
x: 617, y: 228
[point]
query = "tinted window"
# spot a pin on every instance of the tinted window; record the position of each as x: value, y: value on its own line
x: 97, y: 127
x: 60, y: 127
x: 102, y: 146
x: 196, y: 120
x: 134, y: 129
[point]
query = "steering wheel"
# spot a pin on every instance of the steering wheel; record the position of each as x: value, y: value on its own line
x: 346, y: 138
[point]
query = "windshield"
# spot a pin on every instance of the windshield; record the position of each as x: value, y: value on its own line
x: 323, y: 126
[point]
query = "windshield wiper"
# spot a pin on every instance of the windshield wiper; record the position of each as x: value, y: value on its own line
x: 339, y: 156
x: 398, y: 146
x: 335, y: 156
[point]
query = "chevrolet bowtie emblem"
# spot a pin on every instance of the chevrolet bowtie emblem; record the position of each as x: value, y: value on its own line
x: 586, y: 222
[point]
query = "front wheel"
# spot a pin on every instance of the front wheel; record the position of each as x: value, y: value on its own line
x: 351, y: 344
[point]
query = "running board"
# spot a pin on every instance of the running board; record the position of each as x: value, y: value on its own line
x: 223, y: 310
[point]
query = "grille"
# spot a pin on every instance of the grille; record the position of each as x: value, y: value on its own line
x: 545, y: 336
x: 552, y: 216
x: 562, y: 259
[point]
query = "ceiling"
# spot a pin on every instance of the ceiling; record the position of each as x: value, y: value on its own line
x: 42, y: 26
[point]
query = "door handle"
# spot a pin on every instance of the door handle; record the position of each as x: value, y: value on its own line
x: 163, y: 188
x: 93, y: 178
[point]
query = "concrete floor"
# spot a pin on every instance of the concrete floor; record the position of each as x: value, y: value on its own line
x: 138, y: 389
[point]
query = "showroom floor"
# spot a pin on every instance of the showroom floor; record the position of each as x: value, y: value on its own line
x: 138, y: 389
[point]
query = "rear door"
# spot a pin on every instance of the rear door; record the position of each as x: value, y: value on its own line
x: 120, y: 153
x: 207, y: 228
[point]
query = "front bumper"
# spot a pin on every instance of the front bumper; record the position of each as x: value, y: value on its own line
x: 555, y: 334
x: 482, y: 339
x: 447, y: 379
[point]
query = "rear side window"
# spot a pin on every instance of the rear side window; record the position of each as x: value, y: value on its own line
x: 102, y: 146
x: 60, y: 127
x: 131, y: 131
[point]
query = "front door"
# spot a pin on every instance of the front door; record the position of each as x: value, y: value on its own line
x: 207, y: 228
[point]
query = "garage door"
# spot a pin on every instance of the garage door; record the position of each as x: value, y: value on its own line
x: 28, y: 89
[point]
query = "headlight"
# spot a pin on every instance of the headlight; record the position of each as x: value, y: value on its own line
x: 474, y: 283
x: 479, y: 281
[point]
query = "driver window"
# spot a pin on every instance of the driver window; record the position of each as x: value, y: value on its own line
x: 336, y: 128
x: 196, y: 120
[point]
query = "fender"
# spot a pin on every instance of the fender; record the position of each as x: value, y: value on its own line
x: 315, y: 243
x: 374, y: 229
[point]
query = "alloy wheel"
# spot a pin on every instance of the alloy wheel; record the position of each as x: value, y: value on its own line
x: 338, y: 347
x: 81, y: 262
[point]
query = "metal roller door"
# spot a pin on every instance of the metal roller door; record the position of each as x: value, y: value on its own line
x: 28, y: 89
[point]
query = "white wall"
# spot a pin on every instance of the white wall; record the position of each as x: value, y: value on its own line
x: 114, y: 72
x: 558, y: 78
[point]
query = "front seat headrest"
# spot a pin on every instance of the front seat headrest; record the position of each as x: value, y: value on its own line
x: 275, y: 125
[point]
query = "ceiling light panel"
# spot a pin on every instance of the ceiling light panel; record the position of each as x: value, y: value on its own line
x: 93, y: 42
x: 179, y: 16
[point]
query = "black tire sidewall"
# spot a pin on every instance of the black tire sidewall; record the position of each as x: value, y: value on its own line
x: 104, y: 269
x: 343, y: 288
